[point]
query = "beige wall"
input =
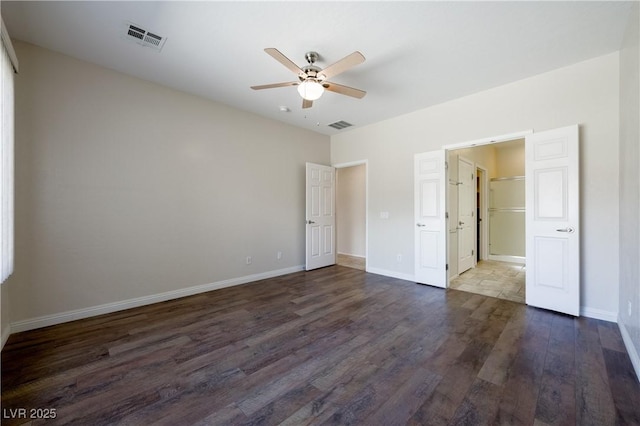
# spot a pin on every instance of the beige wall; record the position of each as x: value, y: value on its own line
x: 127, y: 189
x: 586, y: 93
x: 510, y: 159
x: 484, y: 156
x: 630, y: 187
x: 351, y: 210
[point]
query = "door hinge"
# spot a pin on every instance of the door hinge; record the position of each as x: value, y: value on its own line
x: 446, y: 215
x: 446, y: 165
x: 472, y: 252
x: 447, y: 267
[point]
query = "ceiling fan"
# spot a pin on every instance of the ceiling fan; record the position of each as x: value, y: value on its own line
x: 313, y: 80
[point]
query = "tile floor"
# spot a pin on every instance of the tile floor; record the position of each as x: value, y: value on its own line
x: 503, y: 280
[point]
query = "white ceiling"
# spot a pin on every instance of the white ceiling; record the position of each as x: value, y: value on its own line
x: 418, y: 53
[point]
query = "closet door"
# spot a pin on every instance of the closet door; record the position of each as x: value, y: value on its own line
x: 553, y: 220
x: 466, y: 215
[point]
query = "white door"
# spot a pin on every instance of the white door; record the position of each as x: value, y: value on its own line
x: 321, y: 216
x: 466, y: 215
x: 553, y: 220
x: 430, y: 218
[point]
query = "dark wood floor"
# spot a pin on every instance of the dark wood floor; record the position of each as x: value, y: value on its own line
x: 332, y: 346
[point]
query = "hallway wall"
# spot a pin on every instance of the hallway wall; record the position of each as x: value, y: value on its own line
x: 351, y: 210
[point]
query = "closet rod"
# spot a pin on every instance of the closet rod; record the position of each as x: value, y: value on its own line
x: 507, y: 178
x: 508, y: 209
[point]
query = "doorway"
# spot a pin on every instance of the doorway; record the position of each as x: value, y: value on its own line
x: 552, y: 217
x: 495, y: 251
x: 351, y: 215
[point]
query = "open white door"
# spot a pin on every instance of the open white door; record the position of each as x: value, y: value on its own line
x: 430, y: 217
x: 321, y: 216
x: 553, y: 220
x: 466, y: 214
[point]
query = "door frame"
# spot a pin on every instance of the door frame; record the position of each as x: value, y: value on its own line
x: 488, y: 141
x: 366, y: 204
x: 483, y: 253
x: 471, y: 144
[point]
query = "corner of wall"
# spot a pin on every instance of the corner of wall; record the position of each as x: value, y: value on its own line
x: 5, y: 322
x: 629, y: 177
x: 631, y: 349
x: 6, y: 332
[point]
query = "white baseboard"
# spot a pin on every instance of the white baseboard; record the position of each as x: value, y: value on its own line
x: 505, y: 258
x: 352, y: 255
x: 584, y: 311
x: 62, y: 317
x: 6, y: 332
x: 598, y: 314
x: 631, y: 349
x: 392, y: 274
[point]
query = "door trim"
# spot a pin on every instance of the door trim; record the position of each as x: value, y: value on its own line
x: 471, y: 144
x: 488, y: 141
x: 484, y: 209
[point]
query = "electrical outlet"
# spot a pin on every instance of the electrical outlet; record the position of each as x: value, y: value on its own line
x: 249, y: 260
x: 279, y: 255
x: 629, y: 308
x: 399, y: 258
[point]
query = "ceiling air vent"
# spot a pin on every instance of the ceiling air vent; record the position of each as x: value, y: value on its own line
x: 143, y: 37
x: 340, y: 125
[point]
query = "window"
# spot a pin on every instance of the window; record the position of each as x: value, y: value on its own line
x: 9, y: 65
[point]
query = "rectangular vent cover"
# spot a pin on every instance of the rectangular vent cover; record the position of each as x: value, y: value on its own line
x: 340, y: 125
x: 143, y: 37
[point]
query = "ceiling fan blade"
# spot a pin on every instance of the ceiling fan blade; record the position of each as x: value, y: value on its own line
x: 343, y: 64
x: 344, y: 90
x: 306, y: 103
x: 278, y: 56
x: 271, y: 86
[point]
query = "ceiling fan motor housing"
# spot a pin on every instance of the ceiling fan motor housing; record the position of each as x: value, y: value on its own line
x: 311, y: 72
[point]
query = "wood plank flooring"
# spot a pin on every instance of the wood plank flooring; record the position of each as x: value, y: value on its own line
x: 331, y: 346
x: 355, y: 262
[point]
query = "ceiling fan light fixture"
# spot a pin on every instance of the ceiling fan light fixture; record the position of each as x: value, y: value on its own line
x: 310, y: 90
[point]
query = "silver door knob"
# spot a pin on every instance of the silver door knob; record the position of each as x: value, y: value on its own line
x: 309, y: 222
x: 461, y: 223
x: 420, y: 225
x: 569, y: 230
